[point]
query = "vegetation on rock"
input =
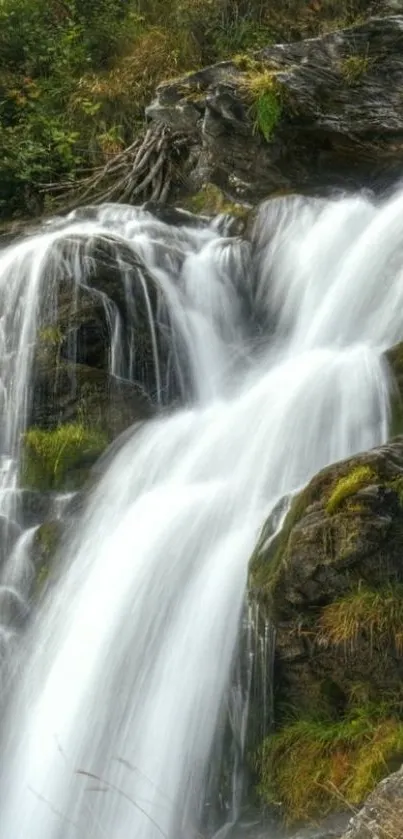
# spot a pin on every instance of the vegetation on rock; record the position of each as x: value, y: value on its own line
x: 332, y: 583
x: 376, y: 614
x: 266, y: 93
x: 313, y: 765
x: 51, y: 458
x: 348, y: 485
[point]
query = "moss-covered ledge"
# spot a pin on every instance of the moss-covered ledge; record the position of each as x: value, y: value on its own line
x: 332, y: 584
x: 60, y: 458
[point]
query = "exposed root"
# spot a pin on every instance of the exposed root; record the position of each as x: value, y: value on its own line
x: 141, y: 171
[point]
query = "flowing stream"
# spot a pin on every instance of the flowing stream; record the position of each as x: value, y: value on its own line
x: 119, y: 683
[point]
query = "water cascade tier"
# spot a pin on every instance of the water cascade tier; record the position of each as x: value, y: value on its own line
x: 259, y: 360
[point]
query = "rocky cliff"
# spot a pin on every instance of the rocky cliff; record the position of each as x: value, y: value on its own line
x: 322, y: 112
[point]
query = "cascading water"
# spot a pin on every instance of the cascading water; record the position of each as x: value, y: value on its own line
x: 122, y: 677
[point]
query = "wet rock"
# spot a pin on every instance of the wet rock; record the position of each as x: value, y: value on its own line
x: 336, y: 114
x: 382, y: 815
x: 342, y: 535
x: 67, y: 393
x: 34, y: 507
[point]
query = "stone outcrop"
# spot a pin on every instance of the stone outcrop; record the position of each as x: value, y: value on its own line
x: 382, y: 815
x: 322, y: 112
x: 326, y: 553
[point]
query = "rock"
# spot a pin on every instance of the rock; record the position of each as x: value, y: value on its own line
x: 331, y: 586
x: 382, y: 814
x: 68, y: 392
x: 322, y: 112
x: 324, y: 554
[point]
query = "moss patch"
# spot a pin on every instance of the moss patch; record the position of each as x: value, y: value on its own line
x: 359, y: 477
x: 312, y: 765
x: 47, y: 540
x: 51, y: 458
x: 210, y: 200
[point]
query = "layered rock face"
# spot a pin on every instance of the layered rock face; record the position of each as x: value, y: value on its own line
x: 321, y: 112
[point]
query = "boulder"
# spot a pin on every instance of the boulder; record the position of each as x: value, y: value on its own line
x: 342, y: 535
x: 330, y: 585
x: 323, y: 112
x: 382, y: 815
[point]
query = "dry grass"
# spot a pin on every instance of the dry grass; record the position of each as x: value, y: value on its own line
x: 310, y: 765
x: 376, y: 615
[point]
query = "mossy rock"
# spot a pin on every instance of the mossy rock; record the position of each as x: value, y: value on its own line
x: 394, y: 357
x: 331, y: 582
x: 76, y: 393
x: 341, y: 539
x: 60, y: 458
x: 46, y: 543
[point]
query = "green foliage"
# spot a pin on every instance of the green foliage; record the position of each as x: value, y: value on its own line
x: 359, y: 477
x: 374, y: 614
x: 76, y: 75
x: 265, y: 91
x: 312, y: 764
x: 49, y: 456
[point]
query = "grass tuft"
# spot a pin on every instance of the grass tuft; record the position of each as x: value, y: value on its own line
x: 359, y: 477
x: 375, y: 614
x: 354, y: 68
x: 265, y: 91
x: 311, y: 765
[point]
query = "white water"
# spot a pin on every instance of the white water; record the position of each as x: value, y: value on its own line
x: 128, y: 665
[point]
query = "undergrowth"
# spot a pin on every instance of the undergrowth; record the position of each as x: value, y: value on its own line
x: 48, y: 456
x: 76, y: 75
x: 311, y: 765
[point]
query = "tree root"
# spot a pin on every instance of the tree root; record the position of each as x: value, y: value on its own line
x: 142, y: 171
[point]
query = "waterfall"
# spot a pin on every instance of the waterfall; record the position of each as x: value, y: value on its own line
x: 275, y: 348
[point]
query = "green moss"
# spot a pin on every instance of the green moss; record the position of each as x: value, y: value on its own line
x: 50, y: 335
x: 266, y: 562
x: 210, y: 200
x: 51, y: 459
x: 47, y: 540
x: 359, y: 477
x: 311, y: 764
x: 354, y: 68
